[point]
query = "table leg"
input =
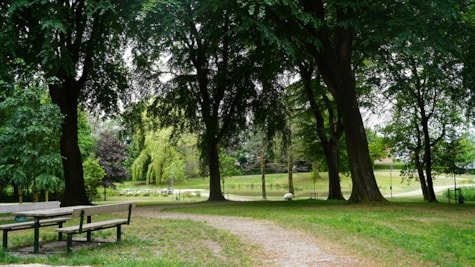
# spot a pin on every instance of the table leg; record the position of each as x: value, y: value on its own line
x: 88, y: 232
x: 36, y: 235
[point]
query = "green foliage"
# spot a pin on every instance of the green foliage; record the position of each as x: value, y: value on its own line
x: 86, y: 140
x: 468, y: 193
x: 175, y: 171
x: 377, y: 146
x: 159, y: 154
x: 227, y: 166
x: 29, y: 135
x: 93, y: 175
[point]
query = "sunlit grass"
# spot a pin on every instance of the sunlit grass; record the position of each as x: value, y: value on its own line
x: 404, y: 232
x: 425, y: 234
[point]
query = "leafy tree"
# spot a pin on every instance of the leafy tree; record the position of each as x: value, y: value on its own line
x: 111, y: 154
x: 327, y: 31
x: 80, y: 43
x: 93, y: 175
x: 174, y: 172
x: 423, y: 74
x: 158, y: 152
x: 227, y: 167
x: 213, y: 62
x: 29, y: 135
x: 377, y: 145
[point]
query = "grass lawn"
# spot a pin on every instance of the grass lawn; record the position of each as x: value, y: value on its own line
x: 403, y: 232
x: 392, y: 234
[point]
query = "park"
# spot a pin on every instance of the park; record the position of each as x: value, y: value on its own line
x: 237, y: 133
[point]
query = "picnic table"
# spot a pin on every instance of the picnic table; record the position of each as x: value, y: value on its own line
x: 44, y: 214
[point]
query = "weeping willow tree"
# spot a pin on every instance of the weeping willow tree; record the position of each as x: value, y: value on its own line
x: 159, y: 152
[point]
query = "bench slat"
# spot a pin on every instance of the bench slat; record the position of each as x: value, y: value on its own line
x: 30, y: 224
x: 92, y: 226
x: 95, y: 210
x: 10, y: 208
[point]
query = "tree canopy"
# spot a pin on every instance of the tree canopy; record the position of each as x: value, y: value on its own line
x: 214, y: 66
x: 80, y: 44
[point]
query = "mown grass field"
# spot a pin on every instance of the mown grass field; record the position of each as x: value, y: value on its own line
x: 402, y: 232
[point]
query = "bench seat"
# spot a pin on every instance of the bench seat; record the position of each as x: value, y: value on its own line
x: 92, y: 226
x: 28, y: 225
x: 86, y: 226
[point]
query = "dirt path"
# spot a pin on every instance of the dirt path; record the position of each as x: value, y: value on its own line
x: 283, y: 247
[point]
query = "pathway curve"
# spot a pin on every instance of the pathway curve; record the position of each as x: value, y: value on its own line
x: 284, y: 247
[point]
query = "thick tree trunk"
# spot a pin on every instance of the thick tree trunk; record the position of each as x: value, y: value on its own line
x: 334, y: 61
x: 428, y: 157
x: 334, y: 187
x: 215, y: 192
x: 338, y: 75
x: 420, y: 172
x: 75, y: 191
x: 365, y: 188
x: 428, y: 165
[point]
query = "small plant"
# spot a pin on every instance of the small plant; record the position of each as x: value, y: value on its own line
x: 468, y: 193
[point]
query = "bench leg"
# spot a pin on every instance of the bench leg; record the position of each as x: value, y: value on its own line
x: 119, y: 233
x: 69, y: 244
x: 88, y: 235
x: 5, y: 239
x: 60, y: 235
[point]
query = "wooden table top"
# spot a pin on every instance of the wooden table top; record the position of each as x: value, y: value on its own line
x: 49, y: 212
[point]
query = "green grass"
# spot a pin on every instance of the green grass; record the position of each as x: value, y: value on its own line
x: 146, y: 242
x: 403, y: 232
x: 395, y: 234
x: 391, y: 234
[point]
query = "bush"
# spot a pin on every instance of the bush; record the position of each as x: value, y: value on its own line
x: 468, y: 193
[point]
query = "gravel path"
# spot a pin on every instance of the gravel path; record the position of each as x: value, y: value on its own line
x: 285, y: 248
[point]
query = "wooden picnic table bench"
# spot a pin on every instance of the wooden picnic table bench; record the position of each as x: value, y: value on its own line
x: 86, y: 226
x: 25, y: 207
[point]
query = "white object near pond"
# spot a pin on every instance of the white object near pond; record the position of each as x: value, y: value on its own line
x: 288, y: 196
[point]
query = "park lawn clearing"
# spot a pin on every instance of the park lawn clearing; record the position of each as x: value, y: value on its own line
x: 389, y: 234
x: 149, y: 242
x: 395, y: 234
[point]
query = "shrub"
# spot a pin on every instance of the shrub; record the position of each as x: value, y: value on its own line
x: 468, y: 193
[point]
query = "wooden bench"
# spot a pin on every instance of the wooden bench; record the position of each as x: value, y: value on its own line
x: 86, y: 226
x: 11, y: 208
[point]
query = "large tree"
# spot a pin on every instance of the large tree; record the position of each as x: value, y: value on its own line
x: 327, y: 31
x: 213, y: 64
x: 79, y: 43
x: 423, y: 73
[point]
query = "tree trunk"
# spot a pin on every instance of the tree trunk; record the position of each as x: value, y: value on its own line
x: 334, y: 187
x: 427, y: 155
x: 334, y: 61
x: 215, y: 193
x: 263, y: 167
x: 339, y: 77
x: 428, y: 166
x: 365, y: 188
x: 329, y: 144
x: 66, y: 97
x: 420, y: 173
x: 290, y: 169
